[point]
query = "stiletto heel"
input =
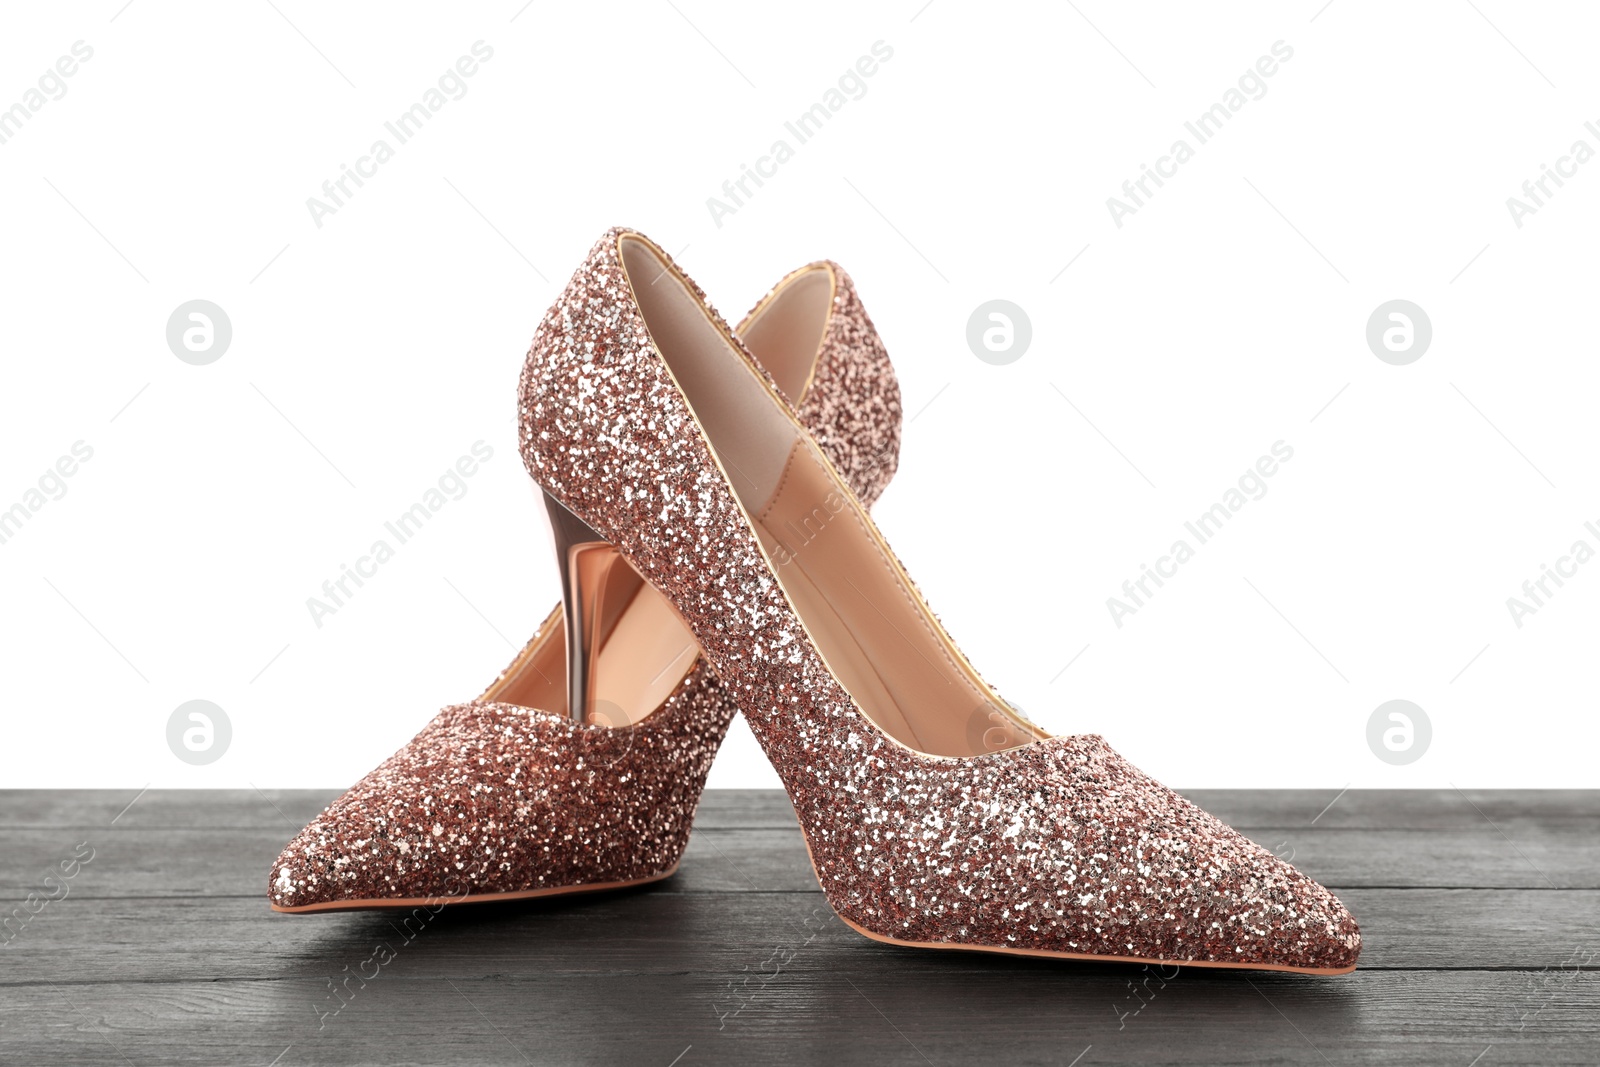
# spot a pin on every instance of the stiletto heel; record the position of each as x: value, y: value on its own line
x: 642, y: 414
x: 585, y: 560
x: 580, y: 767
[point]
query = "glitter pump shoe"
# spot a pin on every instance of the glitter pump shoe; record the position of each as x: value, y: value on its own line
x: 510, y: 796
x: 934, y: 814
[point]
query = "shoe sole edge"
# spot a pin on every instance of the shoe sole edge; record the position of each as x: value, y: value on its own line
x: 1093, y: 957
x: 394, y: 903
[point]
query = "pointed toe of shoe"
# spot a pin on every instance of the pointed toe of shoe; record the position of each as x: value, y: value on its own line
x: 1280, y: 919
x: 1262, y: 912
x: 495, y: 800
x: 1342, y: 940
x: 309, y: 872
x: 349, y: 855
x: 1331, y: 938
x: 1266, y: 913
x: 463, y: 809
x: 1168, y: 882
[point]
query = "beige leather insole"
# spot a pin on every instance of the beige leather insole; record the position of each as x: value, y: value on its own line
x: 751, y: 434
x: 785, y: 333
x: 881, y: 643
x: 638, y: 664
x: 866, y: 623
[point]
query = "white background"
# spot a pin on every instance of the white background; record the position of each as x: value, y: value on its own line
x: 1222, y: 317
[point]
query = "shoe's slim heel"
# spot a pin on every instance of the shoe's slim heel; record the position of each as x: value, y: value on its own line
x: 596, y: 586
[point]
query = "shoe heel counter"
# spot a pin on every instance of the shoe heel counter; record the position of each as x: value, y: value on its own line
x: 854, y: 408
x: 563, y: 368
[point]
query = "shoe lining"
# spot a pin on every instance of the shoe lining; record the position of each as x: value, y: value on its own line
x: 871, y: 628
x: 645, y: 649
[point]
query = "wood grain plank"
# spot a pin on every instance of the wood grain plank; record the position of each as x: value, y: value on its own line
x: 1014, y: 1012
x: 661, y: 931
x: 164, y: 951
x: 1401, y: 809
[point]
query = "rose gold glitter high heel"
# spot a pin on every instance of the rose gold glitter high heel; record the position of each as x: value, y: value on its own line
x: 934, y: 814
x: 511, y: 795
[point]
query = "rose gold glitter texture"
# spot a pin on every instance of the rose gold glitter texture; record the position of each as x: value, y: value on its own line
x: 853, y: 406
x: 497, y: 799
x: 1057, y: 846
x: 494, y: 799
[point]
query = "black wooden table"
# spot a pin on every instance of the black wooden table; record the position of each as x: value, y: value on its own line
x: 1480, y: 912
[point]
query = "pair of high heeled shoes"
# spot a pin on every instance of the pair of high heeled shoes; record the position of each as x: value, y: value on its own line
x: 708, y: 488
